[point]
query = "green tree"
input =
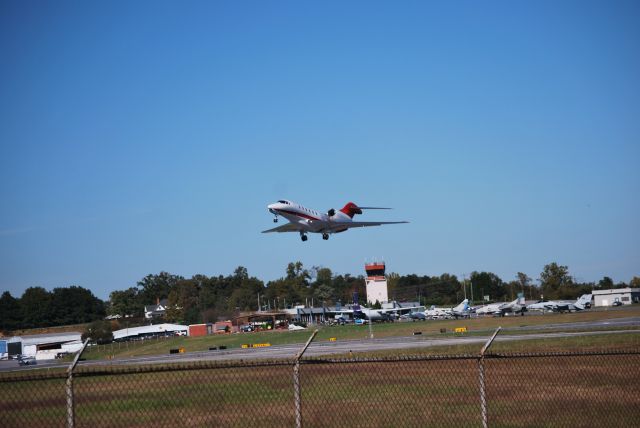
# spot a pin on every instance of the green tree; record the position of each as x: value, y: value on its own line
x: 393, y: 279
x: 125, y: 302
x: 245, y: 291
x: 36, y: 307
x: 154, y: 287
x: 291, y: 289
x: 524, y: 284
x: 605, y: 283
x: 182, y: 303
x: 635, y: 282
x: 75, y: 305
x: 10, y: 313
x: 556, y: 282
x: 99, y: 331
x: 489, y: 284
x: 324, y: 293
x: 346, y: 285
x: 321, y: 290
x: 296, y: 271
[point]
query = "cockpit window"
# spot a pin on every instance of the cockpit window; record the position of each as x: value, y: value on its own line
x: 283, y: 202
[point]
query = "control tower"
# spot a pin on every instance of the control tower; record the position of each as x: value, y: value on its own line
x: 376, y: 282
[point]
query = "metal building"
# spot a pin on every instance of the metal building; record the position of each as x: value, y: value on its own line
x: 50, y: 346
x: 626, y: 296
x: 148, y: 331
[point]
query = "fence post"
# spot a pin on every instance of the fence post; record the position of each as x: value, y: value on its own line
x: 71, y: 414
x: 483, y: 393
x: 296, y: 381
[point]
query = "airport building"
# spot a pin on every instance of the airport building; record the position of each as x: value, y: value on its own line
x: 625, y: 296
x: 148, y: 331
x: 376, y: 282
x: 44, y: 346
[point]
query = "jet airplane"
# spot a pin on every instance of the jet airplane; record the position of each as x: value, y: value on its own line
x: 500, y: 309
x: 460, y: 311
x: 583, y: 302
x: 304, y: 220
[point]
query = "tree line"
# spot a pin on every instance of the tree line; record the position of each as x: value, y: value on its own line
x: 41, y: 308
x: 207, y: 299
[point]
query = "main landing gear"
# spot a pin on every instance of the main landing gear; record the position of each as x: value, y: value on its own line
x: 275, y: 219
x: 325, y: 236
x: 303, y: 236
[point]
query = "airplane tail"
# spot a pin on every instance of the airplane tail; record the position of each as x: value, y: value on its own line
x: 352, y: 209
x: 582, y: 302
x: 462, y: 307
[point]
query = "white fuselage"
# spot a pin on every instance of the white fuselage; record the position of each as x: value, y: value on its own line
x: 578, y: 305
x: 303, y: 220
x: 462, y: 310
x: 309, y: 219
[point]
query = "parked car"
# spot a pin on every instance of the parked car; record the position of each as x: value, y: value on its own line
x: 617, y: 303
x: 246, y: 328
x: 26, y: 361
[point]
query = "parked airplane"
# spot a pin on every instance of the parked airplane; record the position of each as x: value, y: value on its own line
x: 294, y: 327
x: 359, y: 312
x: 416, y: 316
x: 489, y: 309
x: 462, y: 310
x: 561, y: 306
x: 304, y: 220
x: 502, y: 308
x: 370, y: 314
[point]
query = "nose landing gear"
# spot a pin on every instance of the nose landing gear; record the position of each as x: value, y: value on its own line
x: 275, y: 214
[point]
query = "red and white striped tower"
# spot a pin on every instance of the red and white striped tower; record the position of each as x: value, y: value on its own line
x: 376, y: 282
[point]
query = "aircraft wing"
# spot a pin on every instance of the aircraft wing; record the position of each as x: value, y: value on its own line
x: 289, y: 227
x: 350, y: 224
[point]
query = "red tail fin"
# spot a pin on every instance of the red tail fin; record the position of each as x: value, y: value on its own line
x: 351, y: 209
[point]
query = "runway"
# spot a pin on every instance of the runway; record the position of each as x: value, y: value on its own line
x: 326, y: 348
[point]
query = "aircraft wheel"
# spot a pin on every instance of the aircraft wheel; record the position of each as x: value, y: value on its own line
x: 303, y: 237
x: 325, y: 236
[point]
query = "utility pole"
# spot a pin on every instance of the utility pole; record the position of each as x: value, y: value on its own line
x: 464, y: 285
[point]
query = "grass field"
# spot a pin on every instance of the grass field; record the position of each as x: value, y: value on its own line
x: 586, y: 390
x: 475, y: 326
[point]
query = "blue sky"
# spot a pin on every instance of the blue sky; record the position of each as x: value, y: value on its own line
x: 143, y: 136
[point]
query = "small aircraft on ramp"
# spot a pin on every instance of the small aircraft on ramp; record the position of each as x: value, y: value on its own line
x: 582, y: 303
x: 460, y: 311
x: 500, y: 309
x: 304, y: 220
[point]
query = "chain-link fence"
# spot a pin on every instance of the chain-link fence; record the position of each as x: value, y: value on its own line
x: 577, y: 389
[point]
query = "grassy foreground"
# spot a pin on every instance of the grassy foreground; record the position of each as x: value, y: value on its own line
x: 586, y: 390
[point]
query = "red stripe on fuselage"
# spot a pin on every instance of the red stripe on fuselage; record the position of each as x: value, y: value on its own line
x: 303, y: 215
